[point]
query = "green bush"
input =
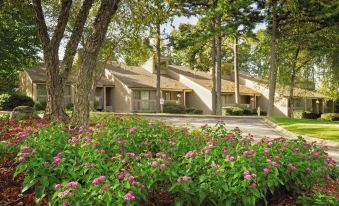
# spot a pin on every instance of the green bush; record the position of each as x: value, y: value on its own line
x: 193, y: 111
x: 174, y: 108
x: 301, y: 114
x: 10, y: 101
x: 128, y: 160
x: 330, y: 116
x: 318, y: 199
x: 40, y: 106
x: 250, y: 111
x: 229, y: 110
x: 4, y: 117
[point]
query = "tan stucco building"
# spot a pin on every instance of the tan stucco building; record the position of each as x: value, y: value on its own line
x: 124, y: 88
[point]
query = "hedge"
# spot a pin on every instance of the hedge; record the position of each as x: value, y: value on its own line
x: 229, y: 110
x: 10, y: 101
x: 301, y: 114
x: 330, y: 116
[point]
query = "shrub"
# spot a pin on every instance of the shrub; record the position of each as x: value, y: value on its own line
x: 330, y: 116
x: 4, y: 117
x: 250, y: 111
x: 229, y: 110
x: 39, y: 106
x: 174, y: 108
x: 10, y: 101
x: 318, y: 199
x: 128, y: 160
x: 301, y: 114
x: 193, y: 111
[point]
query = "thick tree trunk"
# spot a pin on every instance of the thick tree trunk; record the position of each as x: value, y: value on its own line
x: 236, y: 71
x: 218, y: 68
x: 88, y: 63
x: 57, y: 74
x: 294, y: 68
x: 273, y: 64
x: 213, y: 54
x: 158, y: 92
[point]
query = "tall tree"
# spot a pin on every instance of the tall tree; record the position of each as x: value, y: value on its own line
x: 88, y: 62
x: 57, y: 72
x: 19, y: 44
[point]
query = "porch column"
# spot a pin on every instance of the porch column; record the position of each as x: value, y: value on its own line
x: 184, y: 98
x: 323, y: 106
x: 104, y: 89
x: 305, y: 104
x: 255, y: 101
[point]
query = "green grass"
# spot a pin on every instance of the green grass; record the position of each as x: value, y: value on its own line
x: 328, y: 130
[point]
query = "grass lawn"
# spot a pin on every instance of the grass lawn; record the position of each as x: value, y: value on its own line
x: 315, y: 128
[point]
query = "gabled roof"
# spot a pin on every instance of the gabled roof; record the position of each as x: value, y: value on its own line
x: 38, y: 75
x: 285, y: 90
x: 205, y: 79
x: 138, y: 77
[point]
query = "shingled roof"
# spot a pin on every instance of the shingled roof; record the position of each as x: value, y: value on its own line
x: 138, y: 77
x: 205, y: 79
x: 38, y: 75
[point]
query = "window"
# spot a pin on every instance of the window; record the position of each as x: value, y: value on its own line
x: 144, y: 100
x: 41, y: 92
x: 298, y: 102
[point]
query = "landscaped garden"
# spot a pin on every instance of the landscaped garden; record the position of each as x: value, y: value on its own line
x: 323, y: 129
x: 127, y: 160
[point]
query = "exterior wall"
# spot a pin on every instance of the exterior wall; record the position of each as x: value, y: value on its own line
x: 26, y: 85
x: 199, y: 98
x: 122, y: 97
x: 280, y: 104
x: 149, y: 65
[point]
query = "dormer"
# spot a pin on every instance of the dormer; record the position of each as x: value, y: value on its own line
x: 151, y: 64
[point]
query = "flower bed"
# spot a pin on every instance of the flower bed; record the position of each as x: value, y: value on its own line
x: 130, y: 161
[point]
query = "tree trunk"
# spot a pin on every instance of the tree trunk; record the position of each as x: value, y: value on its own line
x: 88, y: 63
x: 294, y: 68
x: 158, y: 92
x: 218, y: 68
x: 57, y: 74
x: 213, y: 54
x: 236, y: 71
x: 273, y: 64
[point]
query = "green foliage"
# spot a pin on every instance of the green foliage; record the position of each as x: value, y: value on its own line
x: 330, y: 116
x: 69, y: 107
x: 301, y: 114
x: 18, y: 39
x: 4, y: 117
x: 193, y: 111
x: 170, y: 107
x: 10, y: 101
x: 210, y: 166
x: 318, y: 199
x: 229, y: 110
x: 40, y: 106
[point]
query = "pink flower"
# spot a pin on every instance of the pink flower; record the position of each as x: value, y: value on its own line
x: 120, y: 177
x: 25, y: 149
x: 65, y: 203
x: 180, y: 180
x: 57, y: 160
x: 132, y: 130
x: 72, y: 184
x: 217, y: 172
x: 296, y: 149
x: 266, y: 170
x: 248, y: 177
x: 154, y: 163
x: 288, y: 171
x: 57, y: 186
x: 60, y: 154
x: 274, y: 164
x: 133, y: 183
x: 253, y: 184
x: 142, y: 187
x: 187, y: 178
x: 162, y: 166
x: 96, y: 181
x: 102, y: 178
x: 266, y: 151
x: 104, y: 188
x: 21, y: 159
x: 317, y: 154
x: 129, y: 196
x: 225, y: 150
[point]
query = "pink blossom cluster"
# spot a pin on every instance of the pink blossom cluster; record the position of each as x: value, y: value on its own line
x: 129, y: 196
x: 99, y: 180
x: 74, y: 140
x: 90, y: 164
x: 248, y: 175
x: 248, y: 153
x: 184, y: 179
x: 65, y: 193
x: 191, y: 154
x: 231, y: 158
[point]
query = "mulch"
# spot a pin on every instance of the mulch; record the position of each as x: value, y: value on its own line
x: 10, y: 188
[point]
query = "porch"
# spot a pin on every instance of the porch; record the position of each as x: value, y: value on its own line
x: 315, y: 105
x: 245, y: 101
x: 103, y: 100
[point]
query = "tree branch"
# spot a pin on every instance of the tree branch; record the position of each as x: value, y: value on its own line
x: 72, y: 45
x: 61, y: 25
x: 42, y: 28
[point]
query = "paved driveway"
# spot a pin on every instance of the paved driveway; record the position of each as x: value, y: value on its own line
x: 257, y: 127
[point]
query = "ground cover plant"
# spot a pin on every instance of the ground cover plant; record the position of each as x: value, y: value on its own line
x: 323, y: 129
x: 130, y: 161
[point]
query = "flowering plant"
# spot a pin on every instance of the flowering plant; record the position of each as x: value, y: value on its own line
x: 130, y: 161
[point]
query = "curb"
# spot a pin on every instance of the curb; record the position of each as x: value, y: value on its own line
x: 186, y: 115
x: 293, y: 135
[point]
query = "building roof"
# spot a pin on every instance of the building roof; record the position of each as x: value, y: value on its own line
x: 205, y: 79
x: 138, y: 77
x: 38, y: 75
x: 285, y: 90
